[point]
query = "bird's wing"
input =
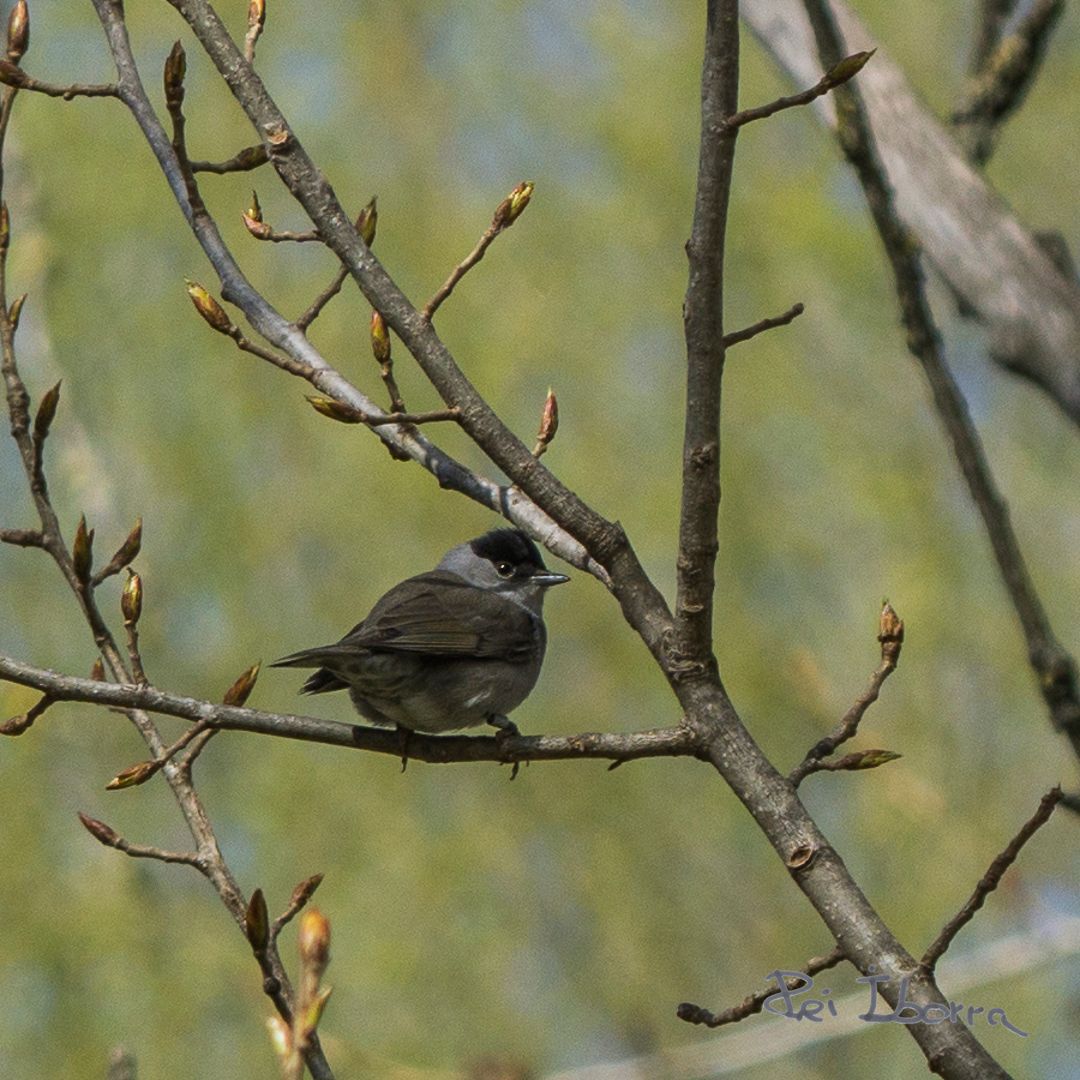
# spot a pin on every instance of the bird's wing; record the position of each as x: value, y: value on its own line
x: 442, y: 615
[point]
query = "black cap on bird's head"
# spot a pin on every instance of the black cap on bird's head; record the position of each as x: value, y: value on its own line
x: 513, y: 554
x: 503, y: 558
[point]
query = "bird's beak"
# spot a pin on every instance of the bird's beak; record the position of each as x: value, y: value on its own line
x: 545, y: 579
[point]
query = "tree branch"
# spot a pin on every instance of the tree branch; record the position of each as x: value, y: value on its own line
x: 989, y: 881
x: 703, y: 320
x: 750, y: 1006
x: 438, y: 749
x: 1054, y: 667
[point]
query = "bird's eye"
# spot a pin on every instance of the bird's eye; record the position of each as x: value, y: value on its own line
x: 504, y: 569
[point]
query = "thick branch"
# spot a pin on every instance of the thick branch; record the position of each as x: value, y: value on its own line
x: 343, y: 239
x: 704, y: 329
x: 1055, y: 668
x: 971, y: 236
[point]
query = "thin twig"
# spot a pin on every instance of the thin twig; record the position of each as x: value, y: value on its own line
x: 989, y: 881
x: 346, y: 414
x: 110, y: 838
x: 13, y: 75
x: 320, y: 301
x: 18, y: 724
x: 1054, y: 667
x: 283, y: 236
x: 251, y: 157
x: 300, y: 896
x: 737, y: 336
x: 696, y: 1014
x: 891, y: 636
x: 460, y: 271
x: 836, y: 76
x: 506, y: 213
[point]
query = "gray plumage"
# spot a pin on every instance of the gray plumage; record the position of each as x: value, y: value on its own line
x: 459, y: 646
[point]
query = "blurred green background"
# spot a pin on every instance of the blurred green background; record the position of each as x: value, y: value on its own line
x: 558, y: 920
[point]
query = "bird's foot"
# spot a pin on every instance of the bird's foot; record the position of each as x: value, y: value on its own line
x: 505, y: 729
x: 404, y: 738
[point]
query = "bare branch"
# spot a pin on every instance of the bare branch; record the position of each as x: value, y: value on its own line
x: 1054, y: 667
x: 22, y: 537
x: 320, y: 301
x: 1004, y: 77
x: 696, y: 1014
x: 14, y: 76
x: 251, y: 157
x: 737, y: 336
x: 704, y: 330
x: 989, y: 881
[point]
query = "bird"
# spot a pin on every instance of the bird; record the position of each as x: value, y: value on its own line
x: 456, y: 647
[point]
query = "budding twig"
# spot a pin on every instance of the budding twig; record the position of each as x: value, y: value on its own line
x: 836, y: 76
x: 214, y: 315
x: 506, y: 213
x: 346, y: 414
x: 891, y: 636
x: 18, y: 724
x: 110, y: 838
x: 300, y: 896
x: 131, y: 608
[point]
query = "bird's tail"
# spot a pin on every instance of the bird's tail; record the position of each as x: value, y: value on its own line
x: 323, y: 680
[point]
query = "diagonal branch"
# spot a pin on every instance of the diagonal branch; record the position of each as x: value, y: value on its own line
x: 290, y: 160
x: 989, y: 881
x: 1054, y: 667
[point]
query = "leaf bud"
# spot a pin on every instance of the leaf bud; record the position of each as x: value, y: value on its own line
x: 99, y: 830
x: 334, y: 409
x: 133, y: 776
x: 257, y: 921
x: 256, y: 14
x: 209, y: 308
x: 82, y: 550
x: 18, y: 31
x: 367, y: 220
x: 314, y: 940
x: 46, y: 412
x: 15, y: 311
x: 173, y: 78
x: 380, y: 338
x: 511, y: 208
x: 238, y: 693
x: 131, y: 599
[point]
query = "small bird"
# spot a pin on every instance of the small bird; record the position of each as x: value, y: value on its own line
x: 459, y: 646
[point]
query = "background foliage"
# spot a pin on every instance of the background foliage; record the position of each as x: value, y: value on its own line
x: 558, y: 919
